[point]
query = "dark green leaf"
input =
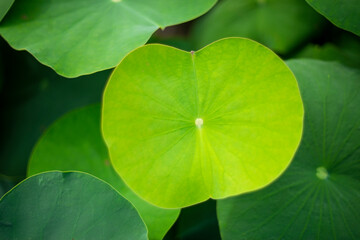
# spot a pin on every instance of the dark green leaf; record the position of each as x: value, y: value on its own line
x: 74, y: 142
x: 68, y: 205
x: 4, y: 7
x: 343, y: 13
x: 278, y: 24
x: 33, y: 97
x: 82, y: 37
x: 318, y: 196
x: 330, y: 52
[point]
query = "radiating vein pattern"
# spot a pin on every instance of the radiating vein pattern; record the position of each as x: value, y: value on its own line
x: 318, y: 196
x: 82, y: 37
x: 195, y: 125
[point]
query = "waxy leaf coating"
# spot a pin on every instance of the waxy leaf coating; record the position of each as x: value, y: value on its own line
x: 68, y: 205
x: 318, y: 195
x: 81, y: 37
x: 74, y: 142
x: 182, y: 127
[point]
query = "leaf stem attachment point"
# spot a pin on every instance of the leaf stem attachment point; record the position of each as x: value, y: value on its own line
x: 199, y: 122
x: 322, y: 173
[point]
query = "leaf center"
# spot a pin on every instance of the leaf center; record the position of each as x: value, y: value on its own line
x: 322, y: 173
x: 199, y: 122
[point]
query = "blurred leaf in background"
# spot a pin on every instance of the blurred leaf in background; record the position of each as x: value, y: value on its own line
x: 344, y: 49
x: 71, y: 36
x: 282, y: 25
x: 32, y: 97
x: 343, y: 13
x: 196, y: 222
x: 4, y: 7
x: 74, y: 142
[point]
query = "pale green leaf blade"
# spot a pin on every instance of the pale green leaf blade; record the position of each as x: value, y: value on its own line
x: 82, y: 37
x: 344, y: 14
x: 75, y: 143
x: 318, y: 196
x: 219, y: 122
x: 281, y: 25
x: 68, y: 205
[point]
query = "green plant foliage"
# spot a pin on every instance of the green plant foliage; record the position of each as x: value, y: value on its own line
x: 331, y: 52
x: 318, y: 196
x: 4, y: 7
x: 183, y: 127
x: 74, y: 143
x: 68, y: 205
x: 6, y: 183
x: 344, y: 14
x: 31, y: 101
x: 278, y: 24
x: 198, y: 222
x: 82, y: 37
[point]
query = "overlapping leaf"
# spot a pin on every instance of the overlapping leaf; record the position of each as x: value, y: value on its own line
x: 74, y: 143
x: 68, y: 205
x: 82, y: 37
x: 278, y: 24
x: 34, y: 98
x: 4, y: 7
x: 318, y: 196
x: 344, y: 14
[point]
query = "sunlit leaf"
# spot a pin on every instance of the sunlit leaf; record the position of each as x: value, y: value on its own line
x: 182, y: 127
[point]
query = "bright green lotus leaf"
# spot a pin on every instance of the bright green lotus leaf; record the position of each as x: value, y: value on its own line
x: 318, y: 196
x: 4, y: 7
x: 191, y: 126
x: 68, y: 205
x: 344, y: 14
x: 278, y: 24
x: 74, y: 143
x: 82, y: 37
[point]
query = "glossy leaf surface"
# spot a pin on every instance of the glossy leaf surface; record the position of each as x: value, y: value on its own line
x: 278, y: 24
x: 318, y: 196
x: 82, y: 37
x: 74, y: 143
x: 68, y: 205
x: 191, y: 126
